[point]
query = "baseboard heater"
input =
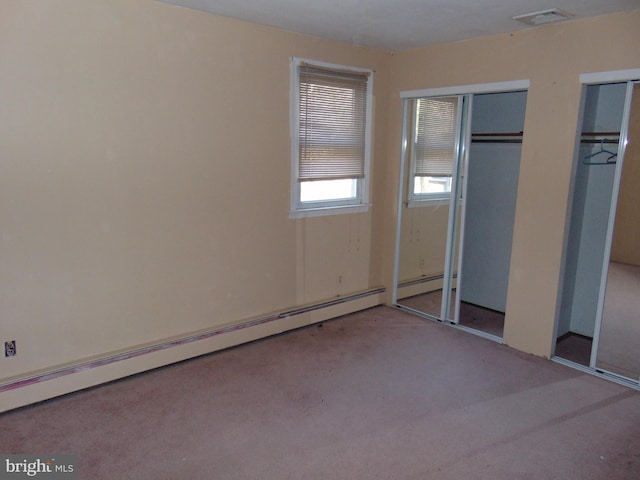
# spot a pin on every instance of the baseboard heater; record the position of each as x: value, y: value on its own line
x: 417, y: 281
x: 81, y: 367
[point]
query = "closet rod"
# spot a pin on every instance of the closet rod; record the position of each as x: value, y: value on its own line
x: 498, y: 134
x: 611, y: 141
x: 612, y: 138
x: 596, y: 134
x: 497, y: 137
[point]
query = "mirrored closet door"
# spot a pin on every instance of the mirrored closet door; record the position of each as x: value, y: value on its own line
x: 599, y: 316
x: 431, y: 151
x: 459, y: 175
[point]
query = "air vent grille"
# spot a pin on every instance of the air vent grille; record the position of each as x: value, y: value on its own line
x: 544, y: 16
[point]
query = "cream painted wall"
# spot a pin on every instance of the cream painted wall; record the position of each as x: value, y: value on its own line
x: 423, y: 241
x: 145, y: 176
x: 552, y: 58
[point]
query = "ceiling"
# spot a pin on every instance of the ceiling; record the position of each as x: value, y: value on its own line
x: 395, y: 25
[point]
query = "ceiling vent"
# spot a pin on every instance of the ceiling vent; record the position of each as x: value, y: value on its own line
x: 544, y: 16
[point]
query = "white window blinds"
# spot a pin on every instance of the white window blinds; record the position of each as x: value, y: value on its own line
x: 435, y: 136
x: 332, y: 123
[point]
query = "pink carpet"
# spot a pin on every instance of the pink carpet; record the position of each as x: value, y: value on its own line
x: 376, y: 395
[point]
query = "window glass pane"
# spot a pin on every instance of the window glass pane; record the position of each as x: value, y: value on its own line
x: 425, y: 185
x: 323, y: 190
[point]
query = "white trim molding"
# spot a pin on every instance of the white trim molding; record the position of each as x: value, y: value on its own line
x: 508, y: 86
x: 609, y: 77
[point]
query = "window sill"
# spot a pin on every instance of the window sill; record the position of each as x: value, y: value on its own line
x: 434, y: 202
x: 324, y: 211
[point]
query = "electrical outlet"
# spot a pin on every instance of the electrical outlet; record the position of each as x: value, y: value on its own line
x: 10, y: 348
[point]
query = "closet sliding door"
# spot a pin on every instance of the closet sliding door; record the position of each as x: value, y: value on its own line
x: 617, y: 346
x: 428, y: 225
x: 445, y: 191
x: 598, y: 323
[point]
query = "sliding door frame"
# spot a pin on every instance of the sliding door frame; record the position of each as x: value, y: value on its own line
x: 465, y: 92
x: 630, y: 77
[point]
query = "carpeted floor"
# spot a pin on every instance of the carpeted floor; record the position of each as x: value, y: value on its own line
x: 380, y: 394
x: 472, y: 316
x: 482, y: 319
x: 619, y: 343
x: 429, y: 303
x: 575, y: 348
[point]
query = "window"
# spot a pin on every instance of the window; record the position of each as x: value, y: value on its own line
x: 434, y: 148
x: 330, y: 138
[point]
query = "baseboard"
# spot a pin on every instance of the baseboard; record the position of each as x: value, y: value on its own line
x: 26, y: 390
x: 418, y: 286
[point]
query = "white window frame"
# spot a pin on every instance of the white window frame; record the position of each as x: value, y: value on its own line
x: 431, y: 198
x: 511, y: 85
x: 360, y: 203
